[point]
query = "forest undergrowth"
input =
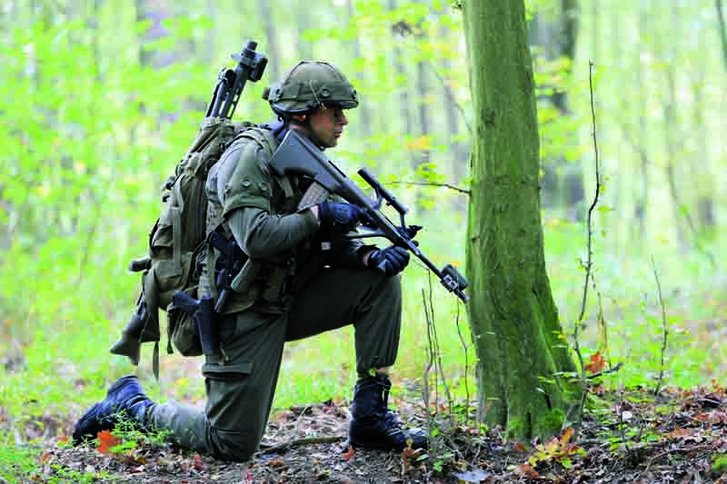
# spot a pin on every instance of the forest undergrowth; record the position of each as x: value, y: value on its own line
x: 627, y: 435
x: 657, y: 412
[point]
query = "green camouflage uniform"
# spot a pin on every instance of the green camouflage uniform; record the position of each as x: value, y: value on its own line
x: 295, y: 291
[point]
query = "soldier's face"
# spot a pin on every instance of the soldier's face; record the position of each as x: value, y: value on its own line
x: 326, y: 126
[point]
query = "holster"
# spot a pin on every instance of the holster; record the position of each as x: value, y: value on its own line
x: 205, y: 320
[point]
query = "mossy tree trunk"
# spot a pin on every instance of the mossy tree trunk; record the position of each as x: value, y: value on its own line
x: 520, y: 345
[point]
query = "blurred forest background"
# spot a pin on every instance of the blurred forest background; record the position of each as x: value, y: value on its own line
x: 100, y: 99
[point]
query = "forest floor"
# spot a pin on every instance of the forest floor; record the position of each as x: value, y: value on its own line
x: 627, y: 436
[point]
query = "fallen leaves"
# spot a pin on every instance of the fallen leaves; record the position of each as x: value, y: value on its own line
x: 527, y: 471
x: 348, y: 455
x: 671, y: 437
x: 557, y: 449
x: 107, y: 441
x: 198, y: 463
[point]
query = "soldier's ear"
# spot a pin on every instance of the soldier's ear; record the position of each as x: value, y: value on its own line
x: 300, y: 117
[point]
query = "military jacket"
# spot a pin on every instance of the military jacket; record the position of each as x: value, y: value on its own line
x: 259, y: 209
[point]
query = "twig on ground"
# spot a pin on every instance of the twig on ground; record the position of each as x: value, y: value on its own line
x: 431, y: 414
x: 300, y: 442
x: 466, y: 368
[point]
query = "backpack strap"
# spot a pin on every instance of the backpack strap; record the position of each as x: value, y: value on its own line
x: 264, y: 136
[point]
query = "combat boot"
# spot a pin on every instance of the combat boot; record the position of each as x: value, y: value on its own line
x: 372, y: 425
x: 124, y: 399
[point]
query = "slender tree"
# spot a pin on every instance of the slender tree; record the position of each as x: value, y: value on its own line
x: 523, y: 358
x: 268, y: 18
x: 398, y: 32
x: 365, y: 114
x: 722, y: 29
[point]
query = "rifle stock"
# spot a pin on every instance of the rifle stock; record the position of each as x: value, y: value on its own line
x: 296, y: 154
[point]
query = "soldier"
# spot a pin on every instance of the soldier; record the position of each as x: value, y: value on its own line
x: 296, y: 289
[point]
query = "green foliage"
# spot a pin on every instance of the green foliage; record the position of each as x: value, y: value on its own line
x: 15, y: 462
x: 551, y: 422
x: 61, y: 474
x: 719, y: 463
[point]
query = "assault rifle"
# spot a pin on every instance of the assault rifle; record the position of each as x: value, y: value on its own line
x: 296, y: 154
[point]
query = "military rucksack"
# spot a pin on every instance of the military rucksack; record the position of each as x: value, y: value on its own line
x: 177, y: 240
x: 177, y: 245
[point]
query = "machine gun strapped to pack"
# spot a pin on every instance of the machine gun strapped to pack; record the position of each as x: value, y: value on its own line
x: 230, y: 82
x: 296, y: 154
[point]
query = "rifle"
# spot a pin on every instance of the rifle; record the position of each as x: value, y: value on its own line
x: 297, y: 154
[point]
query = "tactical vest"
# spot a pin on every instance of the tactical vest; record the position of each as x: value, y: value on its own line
x: 258, y: 281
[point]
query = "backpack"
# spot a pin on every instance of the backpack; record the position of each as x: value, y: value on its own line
x: 177, y: 245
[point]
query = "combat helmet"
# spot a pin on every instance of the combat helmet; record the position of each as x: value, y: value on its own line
x: 308, y: 86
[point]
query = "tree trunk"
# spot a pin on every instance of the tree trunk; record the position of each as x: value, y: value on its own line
x: 458, y: 149
x: 555, y: 33
x: 155, y: 12
x: 514, y: 320
x: 422, y: 87
x: 722, y: 30
x: 365, y: 125
x: 401, y: 73
x: 303, y: 23
x: 267, y: 13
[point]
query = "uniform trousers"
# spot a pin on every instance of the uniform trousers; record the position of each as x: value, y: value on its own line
x: 241, y: 384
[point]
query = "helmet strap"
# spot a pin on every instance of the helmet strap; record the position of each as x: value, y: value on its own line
x: 315, y: 94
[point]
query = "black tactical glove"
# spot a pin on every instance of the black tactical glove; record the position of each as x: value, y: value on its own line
x: 391, y: 260
x: 337, y: 214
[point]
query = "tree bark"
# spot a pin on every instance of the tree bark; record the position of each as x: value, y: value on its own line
x: 519, y: 341
x: 401, y: 73
x: 267, y: 13
x: 365, y: 124
x: 722, y: 30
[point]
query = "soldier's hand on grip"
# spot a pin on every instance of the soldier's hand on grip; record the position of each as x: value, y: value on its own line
x: 343, y: 215
x: 391, y: 260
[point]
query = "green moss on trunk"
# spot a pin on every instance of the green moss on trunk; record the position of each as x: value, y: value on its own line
x: 513, y: 317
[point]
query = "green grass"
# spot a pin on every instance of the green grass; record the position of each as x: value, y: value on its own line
x: 15, y: 461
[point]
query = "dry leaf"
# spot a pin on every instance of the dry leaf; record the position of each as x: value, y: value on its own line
x: 596, y: 363
x: 679, y: 433
x: 566, y: 435
x: 526, y: 470
x: 106, y: 440
x: 348, y: 455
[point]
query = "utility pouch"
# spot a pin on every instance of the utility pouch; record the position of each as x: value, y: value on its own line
x: 183, y: 327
